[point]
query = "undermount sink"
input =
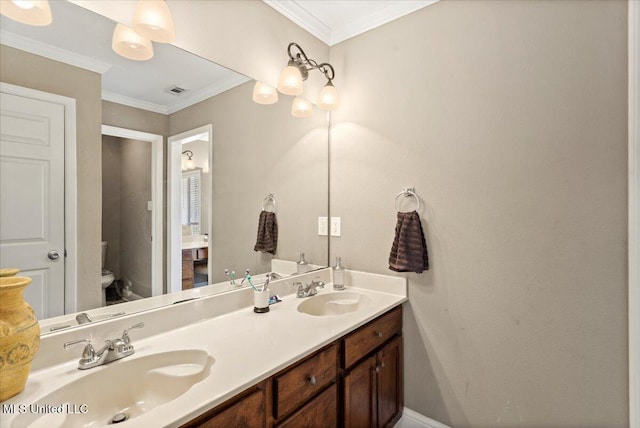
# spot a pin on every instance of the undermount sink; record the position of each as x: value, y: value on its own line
x: 338, y: 303
x: 122, y: 390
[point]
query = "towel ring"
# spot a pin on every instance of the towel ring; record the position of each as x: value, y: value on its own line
x: 408, y: 192
x: 269, y: 198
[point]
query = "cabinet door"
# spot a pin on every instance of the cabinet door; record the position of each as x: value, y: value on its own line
x: 360, y: 395
x: 389, y: 376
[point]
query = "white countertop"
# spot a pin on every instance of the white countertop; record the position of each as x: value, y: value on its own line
x: 247, y: 347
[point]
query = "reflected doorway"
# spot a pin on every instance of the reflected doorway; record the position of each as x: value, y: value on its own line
x: 132, y: 211
x: 189, y: 209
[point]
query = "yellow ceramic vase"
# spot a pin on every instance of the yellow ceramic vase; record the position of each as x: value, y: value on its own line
x: 19, y: 336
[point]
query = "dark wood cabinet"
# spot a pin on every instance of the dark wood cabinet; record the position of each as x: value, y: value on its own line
x: 373, y: 394
x: 190, y: 258
x: 360, y: 395
x: 321, y: 412
x: 355, y: 382
x: 246, y: 410
x: 296, y: 384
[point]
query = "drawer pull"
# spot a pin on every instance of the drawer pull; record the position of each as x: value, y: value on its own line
x: 312, y: 380
x: 378, y: 333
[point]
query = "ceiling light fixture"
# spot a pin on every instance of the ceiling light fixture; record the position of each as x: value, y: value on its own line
x: 152, y: 20
x: 32, y: 12
x: 264, y: 94
x: 131, y: 45
x: 297, y: 70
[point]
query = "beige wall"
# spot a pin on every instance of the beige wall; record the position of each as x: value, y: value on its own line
x: 111, y: 201
x: 259, y: 150
x: 135, y: 219
x: 509, y: 118
x: 126, y: 117
x: 28, y: 70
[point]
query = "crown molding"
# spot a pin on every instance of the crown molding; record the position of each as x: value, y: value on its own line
x: 293, y: 10
x: 373, y: 20
x: 303, y: 19
x: 207, y: 92
x: 182, y: 103
x: 52, y: 52
x: 134, y: 102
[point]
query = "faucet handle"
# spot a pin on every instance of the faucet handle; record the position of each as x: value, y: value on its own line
x: 125, y: 333
x: 88, y: 353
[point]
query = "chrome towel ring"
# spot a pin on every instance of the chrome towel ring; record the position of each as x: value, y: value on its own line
x: 269, y: 199
x: 408, y: 192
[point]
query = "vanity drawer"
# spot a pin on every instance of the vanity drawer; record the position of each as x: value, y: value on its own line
x: 321, y: 412
x: 368, y: 337
x: 297, y: 384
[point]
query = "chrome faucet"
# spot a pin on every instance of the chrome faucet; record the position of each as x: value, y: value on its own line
x: 310, y: 289
x: 113, y: 349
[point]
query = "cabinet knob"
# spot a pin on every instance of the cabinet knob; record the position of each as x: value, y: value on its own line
x: 378, y: 334
x: 377, y: 369
x: 312, y: 380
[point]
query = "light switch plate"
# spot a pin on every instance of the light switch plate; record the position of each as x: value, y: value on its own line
x: 323, y: 226
x: 149, y: 205
x: 335, y: 226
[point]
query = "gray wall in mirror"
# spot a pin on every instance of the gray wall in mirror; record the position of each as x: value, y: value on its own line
x: 257, y: 150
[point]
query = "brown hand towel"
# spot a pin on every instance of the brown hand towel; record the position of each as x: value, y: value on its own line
x: 267, y: 239
x: 409, y: 249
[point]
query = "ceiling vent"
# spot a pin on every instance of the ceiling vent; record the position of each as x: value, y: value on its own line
x: 176, y: 90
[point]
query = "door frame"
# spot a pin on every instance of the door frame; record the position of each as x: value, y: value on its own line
x: 634, y: 213
x: 174, y: 229
x: 157, y: 213
x: 70, y: 187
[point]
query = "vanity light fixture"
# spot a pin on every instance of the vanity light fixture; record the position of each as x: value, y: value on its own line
x: 301, y: 108
x: 189, y: 164
x: 32, y: 12
x: 131, y: 45
x: 297, y: 70
x: 152, y: 20
x: 264, y: 94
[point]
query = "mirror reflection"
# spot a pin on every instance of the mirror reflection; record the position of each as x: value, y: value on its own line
x: 164, y: 214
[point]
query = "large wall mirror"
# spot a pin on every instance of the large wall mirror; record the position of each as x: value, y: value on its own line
x: 221, y: 161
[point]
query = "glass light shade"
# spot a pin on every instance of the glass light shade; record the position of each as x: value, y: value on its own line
x: 189, y: 164
x: 264, y: 94
x: 131, y: 45
x: 32, y: 12
x: 301, y: 108
x: 290, y: 82
x: 328, y: 98
x: 152, y: 20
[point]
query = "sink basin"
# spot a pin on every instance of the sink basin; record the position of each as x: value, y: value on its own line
x: 338, y: 303
x: 123, y: 389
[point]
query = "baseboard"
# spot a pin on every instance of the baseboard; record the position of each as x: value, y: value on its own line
x: 422, y: 420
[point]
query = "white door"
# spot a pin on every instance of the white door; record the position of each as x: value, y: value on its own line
x: 32, y: 198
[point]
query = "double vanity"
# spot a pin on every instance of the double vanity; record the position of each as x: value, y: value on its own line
x: 331, y: 359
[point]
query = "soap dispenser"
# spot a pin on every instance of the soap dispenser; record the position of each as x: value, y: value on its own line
x: 338, y: 275
x: 302, y: 266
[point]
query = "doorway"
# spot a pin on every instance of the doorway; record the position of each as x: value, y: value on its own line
x: 185, y: 160
x: 155, y: 205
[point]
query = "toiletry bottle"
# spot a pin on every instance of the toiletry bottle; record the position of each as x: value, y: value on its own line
x: 338, y: 275
x: 302, y: 266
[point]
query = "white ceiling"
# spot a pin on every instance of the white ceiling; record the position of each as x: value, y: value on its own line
x: 82, y: 38
x: 334, y: 21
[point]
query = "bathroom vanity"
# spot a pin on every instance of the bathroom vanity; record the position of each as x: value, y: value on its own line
x: 212, y: 361
x: 356, y: 381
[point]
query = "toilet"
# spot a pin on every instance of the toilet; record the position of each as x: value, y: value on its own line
x: 107, y: 275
